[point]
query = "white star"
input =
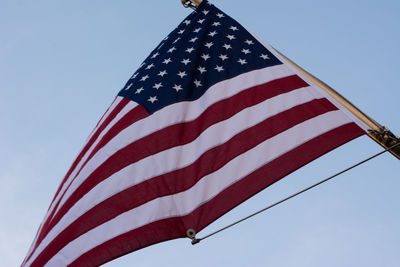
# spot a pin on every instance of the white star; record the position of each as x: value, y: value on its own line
x: 176, y: 40
x: 249, y: 42
x: 197, y: 83
x: 172, y: 49
x: 219, y: 15
x: 152, y: 99
x: 150, y: 66
x: 161, y: 45
x: 212, y: 33
x: 157, y: 85
x: 227, y: 46
x: 144, y: 78
x: 193, y: 39
x: 135, y: 75
x: 201, y: 69
x: 141, y: 65
x: 223, y: 57
x: 234, y: 28
x: 181, y: 31
x: 167, y: 61
x: 205, y: 12
x: 162, y: 73
x: 185, y: 61
x: 209, y: 44
x: 182, y: 74
x: 230, y: 37
x: 205, y: 56
x: 246, y: 51
x: 242, y: 61
x: 177, y: 88
x: 208, y: 3
x: 217, y: 23
x: 219, y: 68
x: 128, y: 87
x: 190, y: 50
x: 139, y: 90
x: 187, y: 22
x: 264, y: 56
x: 200, y: 21
x: 155, y: 55
x: 197, y: 30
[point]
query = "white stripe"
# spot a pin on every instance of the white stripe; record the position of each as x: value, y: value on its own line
x: 106, y: 114
x: 131, y: 105
x: 178, y: 157
x: 109, y: 110
x: 33, y: 243
x: 180, y: 112
x: 207, y: 188
x: 322, y: 92
x: 122, y: 113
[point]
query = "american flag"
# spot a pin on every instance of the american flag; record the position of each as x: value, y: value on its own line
x: 209, y: 119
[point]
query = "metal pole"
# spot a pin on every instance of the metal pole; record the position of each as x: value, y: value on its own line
x: 378, y: 133
x: 191, y: 3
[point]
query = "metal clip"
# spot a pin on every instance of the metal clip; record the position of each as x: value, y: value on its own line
x: 192, y: 235
x: 387, y: 139
x: 193, y: 4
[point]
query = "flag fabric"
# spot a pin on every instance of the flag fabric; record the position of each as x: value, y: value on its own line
x: 209, y: 119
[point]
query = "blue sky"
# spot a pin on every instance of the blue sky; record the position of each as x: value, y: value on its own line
x: 62, y: 63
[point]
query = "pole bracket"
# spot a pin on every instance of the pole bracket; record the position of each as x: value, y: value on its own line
x: 193, y: 4
x: 386, y: 139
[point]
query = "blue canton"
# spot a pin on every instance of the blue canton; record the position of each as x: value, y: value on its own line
x: 206, y: 48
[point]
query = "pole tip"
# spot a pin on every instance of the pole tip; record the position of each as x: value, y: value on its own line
x: 193, y: 4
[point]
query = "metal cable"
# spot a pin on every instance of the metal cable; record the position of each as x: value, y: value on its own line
x: 197, y: 240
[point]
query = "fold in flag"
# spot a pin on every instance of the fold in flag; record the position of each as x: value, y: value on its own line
x: 210, y: 118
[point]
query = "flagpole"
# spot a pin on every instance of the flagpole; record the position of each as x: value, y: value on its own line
x: 377, y: 132
x: 191, y: 3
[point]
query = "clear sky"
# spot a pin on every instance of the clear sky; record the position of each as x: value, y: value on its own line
x: 62, y: 63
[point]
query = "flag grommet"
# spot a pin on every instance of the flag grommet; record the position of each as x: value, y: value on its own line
x: 191, y: 233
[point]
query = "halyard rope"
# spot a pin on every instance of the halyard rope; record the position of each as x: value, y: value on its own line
x: 197, y: 240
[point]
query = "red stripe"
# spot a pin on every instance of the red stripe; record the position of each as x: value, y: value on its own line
x: 97, y: 124
x: 271, y: 173
x: 109, y: 118
x: 183, y: 179
x: 139, y: 238
x: 131, y: 117
x: 179, y: 134
x: 176, y: 227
